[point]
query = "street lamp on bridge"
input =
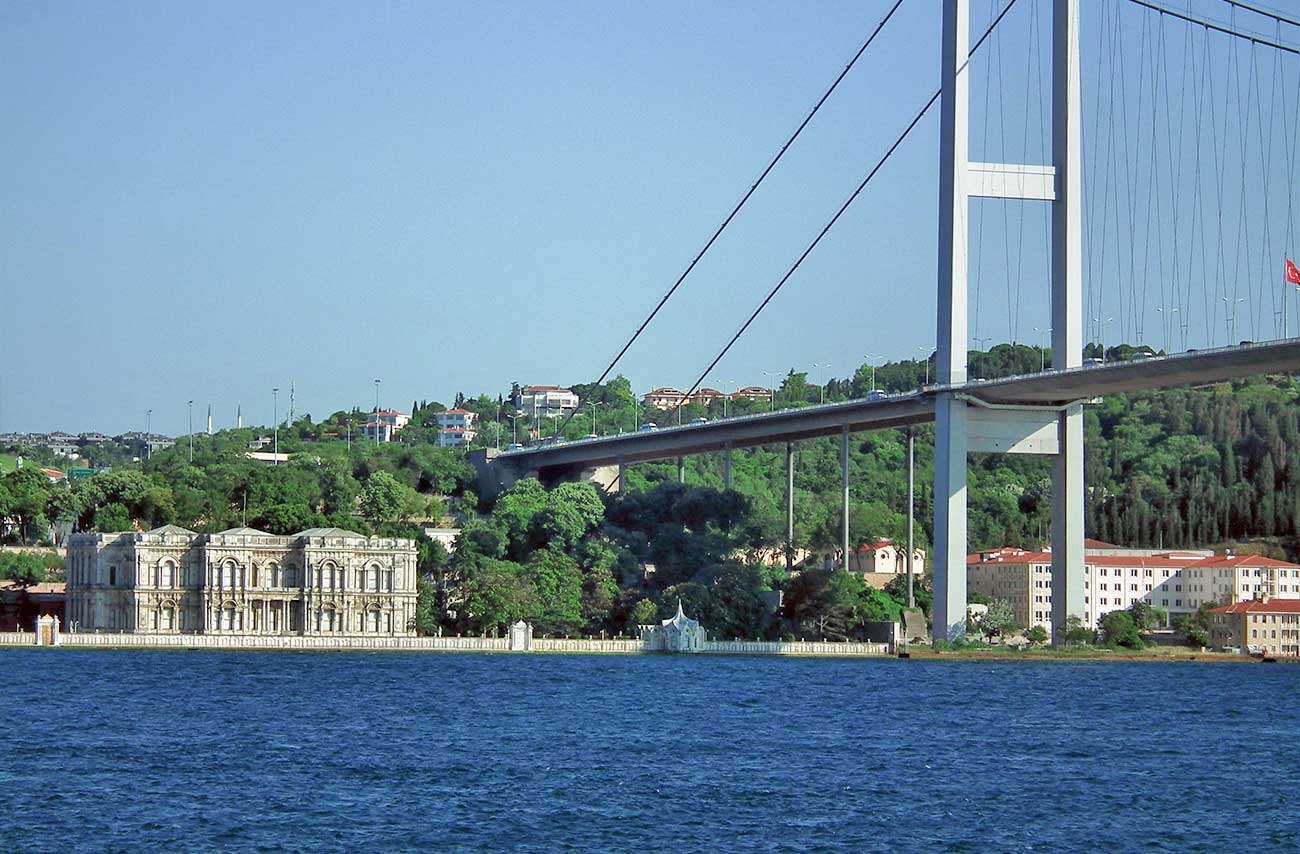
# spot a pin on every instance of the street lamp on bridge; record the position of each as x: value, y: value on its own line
x: 871, y: 360
x: 821, y: 379
x: 1230, y: 316
x: 1042, y: 348
x: 1101, y: 334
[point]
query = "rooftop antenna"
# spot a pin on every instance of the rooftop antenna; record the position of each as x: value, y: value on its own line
x: 239, y: 416
x: 209, y: 419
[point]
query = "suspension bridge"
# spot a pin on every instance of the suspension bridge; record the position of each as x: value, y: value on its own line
x: 1183, y: 222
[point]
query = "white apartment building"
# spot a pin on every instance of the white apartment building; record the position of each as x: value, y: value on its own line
x: 384, y: 424
x: 455, y: 428
x: 1115, y: 578
x: 546, y: 401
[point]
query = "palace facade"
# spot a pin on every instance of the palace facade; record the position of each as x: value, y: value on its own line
x: 322, y: 581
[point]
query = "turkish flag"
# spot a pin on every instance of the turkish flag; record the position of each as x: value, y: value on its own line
x: 1292, y: 274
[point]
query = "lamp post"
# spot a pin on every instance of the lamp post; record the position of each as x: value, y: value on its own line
x: 725, y: 395
x: 821, y: 380
x: 1042, y: 348
x: 773, y: 375
x: 1101, y: 334
x: 514, y: 423
x: 275, y: 416
x: 1166, y: 321
x: 191, y: 421
x: 594, y: 404
x: 376, y: 412
x: 1230, y: 316
x: 925, y: 355
x: 871, y: 360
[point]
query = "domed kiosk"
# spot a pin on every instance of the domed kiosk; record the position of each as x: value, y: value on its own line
x: 679, y: 634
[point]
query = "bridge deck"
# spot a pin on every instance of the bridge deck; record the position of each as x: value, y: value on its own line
x: 1052, y: 387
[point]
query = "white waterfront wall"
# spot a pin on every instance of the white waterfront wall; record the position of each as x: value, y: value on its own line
x: 434, y: 644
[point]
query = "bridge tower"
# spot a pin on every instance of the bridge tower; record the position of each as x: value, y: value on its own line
x: 962, y: 423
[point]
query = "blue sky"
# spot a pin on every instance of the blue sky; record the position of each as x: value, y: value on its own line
x: 208, y: 200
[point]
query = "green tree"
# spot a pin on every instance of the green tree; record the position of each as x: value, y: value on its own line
x: 1075, y: 632
x: 643, y: 613
x: 112, y: 518
x: 382, y: 497
x: 556, y: 582
x: 1037, y: 635
x: 1118, y: 629
x: 998, y: 621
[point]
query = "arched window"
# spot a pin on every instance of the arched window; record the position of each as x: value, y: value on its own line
x: 372, y: 619
x: 229, y: 573
x: 252, y: 576
x: 273, y: 574
x: 228, y: 617
x: 167, y: 574
x: 167, y: 616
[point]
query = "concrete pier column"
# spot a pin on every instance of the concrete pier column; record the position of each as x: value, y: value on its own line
x: 1067, y: 313
x: 950, y: 444
x: 952, y: 330
x: 681, y: 469
x: 789, y: 506
x: 726, y: 466
x: 622, y: 474
x: 911, y: 514
x: 844, y: 489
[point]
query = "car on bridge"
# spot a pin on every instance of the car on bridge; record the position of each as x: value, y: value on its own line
x: 648, y: 427
x: 699, y: 420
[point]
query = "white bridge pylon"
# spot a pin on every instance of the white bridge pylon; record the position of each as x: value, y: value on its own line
x: 962, y: 425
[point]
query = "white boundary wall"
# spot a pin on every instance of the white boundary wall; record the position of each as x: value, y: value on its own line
x: 432, y: 644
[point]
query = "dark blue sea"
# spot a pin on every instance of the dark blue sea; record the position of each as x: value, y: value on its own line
x: 195, y: 751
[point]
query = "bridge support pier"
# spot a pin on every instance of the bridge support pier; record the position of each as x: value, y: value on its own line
x: 622, y: 474
x: 789, y: 506
x: 911, y: 514
x: 1007, y: 432
x: 726, y: 466
x: 681, y: 469
x: 844, y: 498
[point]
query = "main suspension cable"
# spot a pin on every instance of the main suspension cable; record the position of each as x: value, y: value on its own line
x: 844, y: 207
x: 740, y: 204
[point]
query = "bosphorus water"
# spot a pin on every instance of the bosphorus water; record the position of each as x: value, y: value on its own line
x: 134, y: 751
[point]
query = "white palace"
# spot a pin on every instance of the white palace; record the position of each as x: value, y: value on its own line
x: 323, y: 581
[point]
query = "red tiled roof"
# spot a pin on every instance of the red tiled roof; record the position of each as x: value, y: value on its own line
x: 1275, y: 606
x: 544, y: 388
x: 1098, y: 544
x: 455, y: 412
x: 389, y: 412
x: 1248, y: 561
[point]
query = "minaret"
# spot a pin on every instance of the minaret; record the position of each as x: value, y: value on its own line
x: 209, y: 419
x: 239, y: 417
x: 290, y: 401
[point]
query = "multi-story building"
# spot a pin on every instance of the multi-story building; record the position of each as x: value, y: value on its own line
x: 546, y: 401
x: 1115, y: 578
x: 671, y: 398
x: 879, y: 562
x: 664, y: 398
x: 322, y: 581
x: 1265, y: 625
x: 455, y: 428
x: 384, y: 425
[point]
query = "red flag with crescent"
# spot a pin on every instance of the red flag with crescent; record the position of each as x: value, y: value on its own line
x: 1292, y: 274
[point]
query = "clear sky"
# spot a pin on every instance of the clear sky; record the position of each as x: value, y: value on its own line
x: 206, y: 200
